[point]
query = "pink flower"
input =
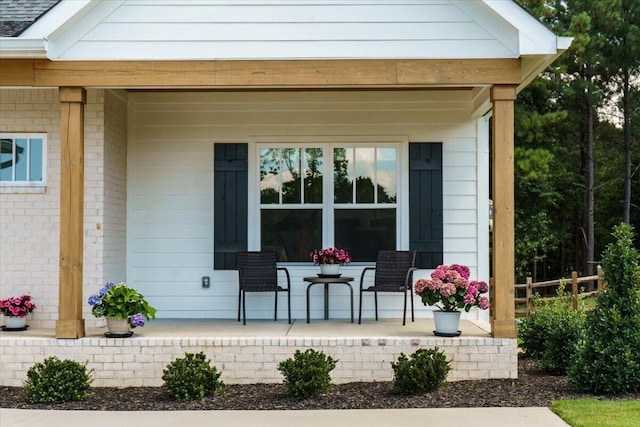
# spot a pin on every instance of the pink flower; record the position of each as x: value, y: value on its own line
x: 439, y: 272
x: 463, y: 270
x: 483, y: 303
x: 469, y: 299
x: 420, y: 286
x: 448, y: 289
x: 482, y: 287
x: 434, y: 284
x: 472, y: 290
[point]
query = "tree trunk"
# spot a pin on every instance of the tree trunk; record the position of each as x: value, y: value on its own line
x: 626, y: 111
x: 590, y: 205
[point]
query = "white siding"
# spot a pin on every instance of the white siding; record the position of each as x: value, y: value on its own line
x: 189, y: 29
x: 170, y: 184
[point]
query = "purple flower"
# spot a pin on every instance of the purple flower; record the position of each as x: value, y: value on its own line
x: 94, y: 299
x: 137, y: 320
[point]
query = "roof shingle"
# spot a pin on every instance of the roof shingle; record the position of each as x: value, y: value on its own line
x: 18, y: 15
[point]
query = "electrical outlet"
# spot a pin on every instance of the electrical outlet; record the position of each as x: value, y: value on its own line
x: 205, y: 281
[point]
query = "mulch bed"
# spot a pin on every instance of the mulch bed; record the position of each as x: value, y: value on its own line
x: 532, y: 388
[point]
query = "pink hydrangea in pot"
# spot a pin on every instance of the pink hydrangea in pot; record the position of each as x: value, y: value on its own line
x: 450, y: 289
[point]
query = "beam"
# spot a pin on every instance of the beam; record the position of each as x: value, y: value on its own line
x: 17, y: 72
x: 70, y: 323
x: 503, y: 323
x: 251, y: 73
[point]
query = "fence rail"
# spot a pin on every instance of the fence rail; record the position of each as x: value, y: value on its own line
x: 575, y: 282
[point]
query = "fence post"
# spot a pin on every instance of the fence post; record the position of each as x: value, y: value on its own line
x: 574, y: 288
x: 529, y: 295
x: 601, y: 282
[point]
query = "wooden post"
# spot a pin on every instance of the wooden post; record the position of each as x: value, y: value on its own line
x: 529, y: 295
x: 70, y: 323
x: 601, y: 281
x: 574, y: 288
x: 504, y: 322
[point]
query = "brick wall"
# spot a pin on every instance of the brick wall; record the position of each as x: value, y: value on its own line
x: 29, y: 217
x: 140, y: 361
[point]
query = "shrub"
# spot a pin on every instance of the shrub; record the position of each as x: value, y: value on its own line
x: 57, y: 381
x: 307, y: 374
x: 191, y: 377
x: 609, y: 359
x: 422, y: 372
x: 552, y: 334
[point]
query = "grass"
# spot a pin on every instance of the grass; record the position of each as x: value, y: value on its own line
x: 598, y: 413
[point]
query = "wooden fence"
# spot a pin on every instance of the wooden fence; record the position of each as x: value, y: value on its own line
x: 575, y: 282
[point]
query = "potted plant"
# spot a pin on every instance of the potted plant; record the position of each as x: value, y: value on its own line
x: 15, y: 310
x: 330, y: 260
x: 450, y: 290
x: 124, y: 308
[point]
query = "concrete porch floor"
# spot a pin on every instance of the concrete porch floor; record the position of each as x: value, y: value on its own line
x: 223, y: 328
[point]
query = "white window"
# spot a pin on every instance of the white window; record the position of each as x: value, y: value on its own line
x: 314, y: 196
x: 22, y: 159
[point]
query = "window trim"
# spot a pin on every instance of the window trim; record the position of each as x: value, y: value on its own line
x: 401, y: 143
x: 29, y: 136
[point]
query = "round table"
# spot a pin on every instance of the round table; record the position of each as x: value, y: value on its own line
x: 326, y: 281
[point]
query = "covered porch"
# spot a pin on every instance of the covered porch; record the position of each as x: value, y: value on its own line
x: 251, y: 353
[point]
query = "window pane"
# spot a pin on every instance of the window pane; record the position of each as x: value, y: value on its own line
x: 35, y: 160
x: 21, y: 159
x: 291, y: 179
x: 364, y: 232
x: 365, y: 173
x: 386, y: 175
x: 292, y: 233
x: 313, y: 167
x: 6, y: 159
x: 343, y: 175
x: 269, y: 171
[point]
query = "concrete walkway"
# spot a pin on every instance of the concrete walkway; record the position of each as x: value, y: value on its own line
x: 476, y: 417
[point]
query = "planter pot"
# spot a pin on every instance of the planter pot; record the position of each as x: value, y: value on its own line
x: 329, y: 269
x: 447, y: 323
x: 11, y: 322
x: 118, y: 327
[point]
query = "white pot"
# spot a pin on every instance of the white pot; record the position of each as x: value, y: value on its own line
x: 11, y: 322
x: 118, y: 326
x: 447, y: 322
x: 330, y: 268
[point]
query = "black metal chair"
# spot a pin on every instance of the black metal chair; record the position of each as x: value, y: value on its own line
x: 393, y: 273
x: 258, y: 272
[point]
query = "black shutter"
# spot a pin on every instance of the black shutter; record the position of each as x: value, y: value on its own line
x: 229, y: 204
x: 425, y: 203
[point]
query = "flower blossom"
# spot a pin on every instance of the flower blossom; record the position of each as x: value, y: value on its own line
x: 137, y: 320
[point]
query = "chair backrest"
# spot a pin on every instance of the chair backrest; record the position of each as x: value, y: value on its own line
x: 257, y: 270
x: 392, y: 268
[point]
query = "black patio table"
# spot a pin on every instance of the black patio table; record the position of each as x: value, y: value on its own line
x: 326, y: 281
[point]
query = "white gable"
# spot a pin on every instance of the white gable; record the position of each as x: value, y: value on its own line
x: 295, y: 29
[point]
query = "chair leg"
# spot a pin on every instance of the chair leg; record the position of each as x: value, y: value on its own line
x: 275, y: 310
x: 413, y: 319
x: 375, y: 297
x: 404, y: 311
x: 289, y: 304
x: 360, y: 308
x: 244, y: 308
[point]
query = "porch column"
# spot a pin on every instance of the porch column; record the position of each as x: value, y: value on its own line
x: 503, y: 323
x: 70, y: 323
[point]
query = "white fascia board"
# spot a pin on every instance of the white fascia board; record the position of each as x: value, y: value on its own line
x: 14, y: 47
x: 534, y: 37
